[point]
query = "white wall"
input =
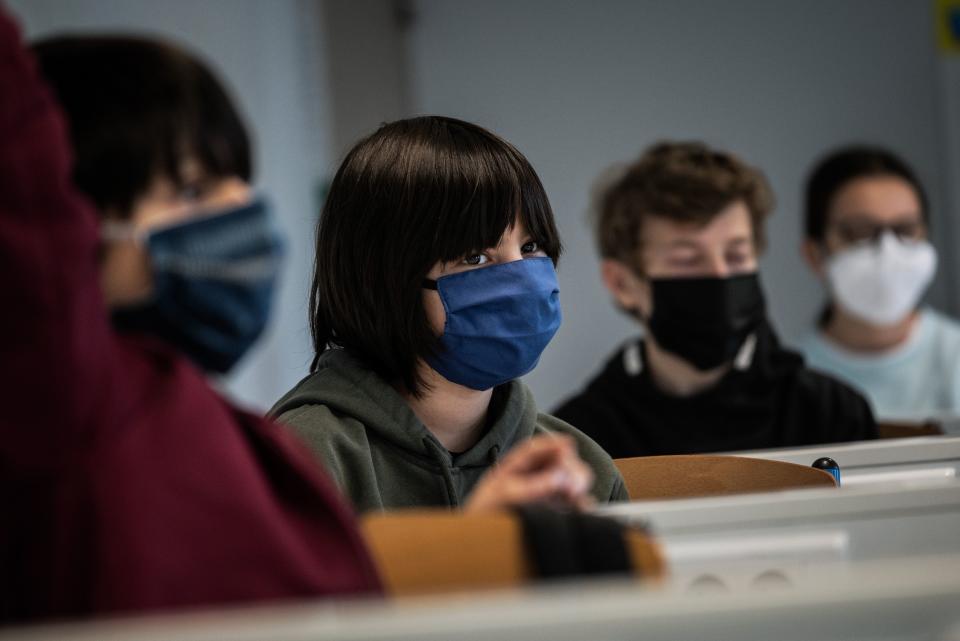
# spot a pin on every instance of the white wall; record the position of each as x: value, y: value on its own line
x: 368, y: 73
x: 949, y: 67
x: 580, y: 85
x: 271, y: 55
x: 577, y: 86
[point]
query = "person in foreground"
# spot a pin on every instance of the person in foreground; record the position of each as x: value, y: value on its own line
x: 190, y: 254
x: 679, y: 235
x: 127, y: 483
x: 434, y: 292
x: 866, y: 236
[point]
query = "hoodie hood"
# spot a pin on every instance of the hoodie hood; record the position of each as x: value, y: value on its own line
x: 347, y: 387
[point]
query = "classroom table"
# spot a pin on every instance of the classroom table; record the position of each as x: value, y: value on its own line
x: 777, y: 536
x: 881, y: 461
x: 879, y: 601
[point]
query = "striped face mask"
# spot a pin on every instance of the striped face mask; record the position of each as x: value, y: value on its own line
x: 214, y: 278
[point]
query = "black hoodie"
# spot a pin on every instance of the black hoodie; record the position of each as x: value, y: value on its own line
x: 768, y: 399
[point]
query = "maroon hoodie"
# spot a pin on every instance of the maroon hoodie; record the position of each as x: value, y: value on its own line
x: 126, y: 483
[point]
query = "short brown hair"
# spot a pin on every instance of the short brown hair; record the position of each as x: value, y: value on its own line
x: 686, y: 182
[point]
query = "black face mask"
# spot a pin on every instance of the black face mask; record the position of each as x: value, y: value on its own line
x: 705, y: 321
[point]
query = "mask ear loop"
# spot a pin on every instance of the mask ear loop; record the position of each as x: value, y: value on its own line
x: 826, y: 312
x: 632, y: 312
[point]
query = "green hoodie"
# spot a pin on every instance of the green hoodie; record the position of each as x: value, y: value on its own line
x: 383, y: 457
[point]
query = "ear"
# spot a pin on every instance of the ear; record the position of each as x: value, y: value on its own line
x: 815, y: 257
x: 630, y: 291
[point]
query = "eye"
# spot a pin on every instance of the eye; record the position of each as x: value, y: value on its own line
x: 475, y: 259
x: 530, y: 247
x: 908, y: 231
x: 853, y: 233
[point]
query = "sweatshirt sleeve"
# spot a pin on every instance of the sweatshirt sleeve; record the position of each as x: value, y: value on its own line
x: 57, y: 345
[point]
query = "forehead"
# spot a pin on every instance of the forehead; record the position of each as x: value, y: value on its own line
x: 731, y: 224
x: 880, y: 199
x: 515, y: 232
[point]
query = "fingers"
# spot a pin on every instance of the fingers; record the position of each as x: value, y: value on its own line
x: 546, y: 485
x: 230, y: 192
x: 537, y: 453
x: 542, y: 469
x: 579, y: 479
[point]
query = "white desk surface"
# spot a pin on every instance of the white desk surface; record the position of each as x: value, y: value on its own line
x: 801, y: 506
x: 739, y: 538
x: 929, y: 458
x: 893, y: 451
x: 892, y: 600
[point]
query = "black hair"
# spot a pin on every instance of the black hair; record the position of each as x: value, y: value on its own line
x: 413, y: 193
x: 137, y: 108
x: 838, y: 168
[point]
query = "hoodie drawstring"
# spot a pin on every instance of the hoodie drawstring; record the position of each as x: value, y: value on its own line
x: 440, y: 456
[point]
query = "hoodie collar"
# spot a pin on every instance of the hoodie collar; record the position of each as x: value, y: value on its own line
x: 349, y: 388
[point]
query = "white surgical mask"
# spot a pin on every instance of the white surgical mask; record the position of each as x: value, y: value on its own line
x: 882, y: 282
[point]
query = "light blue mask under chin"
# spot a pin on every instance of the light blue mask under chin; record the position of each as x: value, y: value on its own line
x: 499, y: 320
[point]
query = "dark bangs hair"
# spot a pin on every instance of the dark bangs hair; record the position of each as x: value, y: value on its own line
x: 137, y: 108
x: 842, y: 166
x: 413, y: 193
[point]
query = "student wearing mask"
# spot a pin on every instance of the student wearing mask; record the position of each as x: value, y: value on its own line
x: 866, y: 228
x: 434, y: 292
x: 679, y: 234
x: 126, y: 482
x: 190, y: 254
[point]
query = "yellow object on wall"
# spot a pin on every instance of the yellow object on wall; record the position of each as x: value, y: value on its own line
x: 948, y: 25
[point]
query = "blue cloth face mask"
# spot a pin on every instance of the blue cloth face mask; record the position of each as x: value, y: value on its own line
x: 499, y: 320
x: 214, y: 278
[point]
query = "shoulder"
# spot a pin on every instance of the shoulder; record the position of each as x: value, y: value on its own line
x: 608, y: 484
x: 315, y: 417
x: 341, y: 444
x: 588, y: 407
x: 333, y: 437
x: 325, y: 402
x: 941, y: 339
x: 547, y: 424
x: 820, y: 354
x: 834, y: 405
x: 943, y: 330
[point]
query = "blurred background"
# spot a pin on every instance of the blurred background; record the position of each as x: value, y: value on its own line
x: 578, y: 86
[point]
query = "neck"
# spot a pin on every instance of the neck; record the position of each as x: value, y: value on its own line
x: 857, y: 335
x: 453, y: 413
x: 675, y: 376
